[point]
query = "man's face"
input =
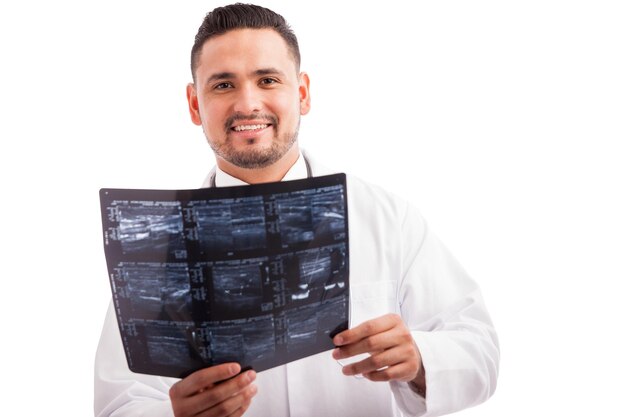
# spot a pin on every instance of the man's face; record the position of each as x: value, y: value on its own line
x: 248, y: 97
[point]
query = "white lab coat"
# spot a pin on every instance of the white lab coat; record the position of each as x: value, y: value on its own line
x: 398, y: 266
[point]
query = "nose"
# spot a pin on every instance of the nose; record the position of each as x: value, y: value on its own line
x: 248, y: 99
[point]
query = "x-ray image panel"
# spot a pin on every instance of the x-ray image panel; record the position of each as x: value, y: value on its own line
x: 167, y: 345
x: 259, y: 337
x: 330, y: 312
x: 144, y: 228
x: 328, y: 214
x: 138, y: 230
x: 315, y: 269
x: 237, y: 285
x: 302, y: 328
x: 322, y: 274
x: 316, y: 323
x: 312, y: 214
x: 227, y: 344
x: 249, y: 341
x: 254, y: 274
x: 154, y: 290
x: 296, y: 222
x: 163, y: 345
x: 231, y: 224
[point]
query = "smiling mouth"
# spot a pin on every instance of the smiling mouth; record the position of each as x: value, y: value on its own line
x: 244, y: 128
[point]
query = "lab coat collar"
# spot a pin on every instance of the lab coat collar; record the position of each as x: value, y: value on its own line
x: 296, y: 172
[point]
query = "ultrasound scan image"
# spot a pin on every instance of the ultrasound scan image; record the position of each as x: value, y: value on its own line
x: 314, y: 269
x: 158, y: 289
x: 332, y: 315
x: 228, y: 225
x: 259, y: 337
x: 255, y: 274
x: 237, y: 285
x: 302, y: 328
x: 167, y: 345
x: 322, y: 274
x: 227, y: 344
x: 243, y: 341
x: 296, y: 222
x: 317, y: 322
x: 144, y: 228
x: 305, y: 216
x: 328, y: 213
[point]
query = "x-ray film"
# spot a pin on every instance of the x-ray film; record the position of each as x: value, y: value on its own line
x: 255, y: 274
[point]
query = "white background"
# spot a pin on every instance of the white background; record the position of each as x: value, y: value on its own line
x: 504, y: 122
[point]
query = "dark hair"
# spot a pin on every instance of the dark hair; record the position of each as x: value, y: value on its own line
x: 242, y: 16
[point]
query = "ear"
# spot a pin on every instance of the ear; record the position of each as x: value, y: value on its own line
x: 192, y: 99
x: 305, y: 97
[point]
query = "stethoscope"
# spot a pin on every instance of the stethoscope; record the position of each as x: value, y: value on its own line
x: 309, y: 173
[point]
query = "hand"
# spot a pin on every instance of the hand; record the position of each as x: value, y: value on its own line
x: 394, y: 354
x: 210, y: 393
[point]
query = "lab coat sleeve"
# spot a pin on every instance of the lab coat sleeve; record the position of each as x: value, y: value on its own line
x: 444, y: 309
x: 120, y: 392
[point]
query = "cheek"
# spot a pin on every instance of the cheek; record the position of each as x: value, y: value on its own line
x: 289, y: 108
x: 213, y: 116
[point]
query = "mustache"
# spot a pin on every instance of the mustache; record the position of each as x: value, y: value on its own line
x: 238, y: 117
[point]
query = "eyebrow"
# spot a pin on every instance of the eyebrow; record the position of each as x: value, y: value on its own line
x: 220, y: 76
x: 230, y: 75
x: 268, y: 71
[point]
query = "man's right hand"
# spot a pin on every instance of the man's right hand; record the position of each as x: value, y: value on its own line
x: 210, y: 393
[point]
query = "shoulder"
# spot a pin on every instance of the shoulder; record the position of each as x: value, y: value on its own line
x: 375, y: 196
x: 382, y: 211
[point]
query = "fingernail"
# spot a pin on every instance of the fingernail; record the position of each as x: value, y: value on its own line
x: 335, y: 353
x: 251, y: 376
x: 338, y: 340
x: 234, y: 369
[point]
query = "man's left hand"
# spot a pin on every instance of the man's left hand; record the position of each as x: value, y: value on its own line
x: 393, y: 352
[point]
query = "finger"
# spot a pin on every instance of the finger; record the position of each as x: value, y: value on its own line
x: 232, y: 406
x: 372, y: 344
x: 204, y: 378
x: 388, y: 358
x: 366, y: 329
x: 241, y: 410
x: 221, y: 393
x: 401, y: 372
x: 369, y: 364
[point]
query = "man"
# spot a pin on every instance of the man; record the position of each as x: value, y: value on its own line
x: 421, y: 343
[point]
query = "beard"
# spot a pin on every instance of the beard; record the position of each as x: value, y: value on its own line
x: 255, y: 158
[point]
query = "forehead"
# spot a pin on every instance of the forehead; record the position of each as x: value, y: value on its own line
x: 244, y: 50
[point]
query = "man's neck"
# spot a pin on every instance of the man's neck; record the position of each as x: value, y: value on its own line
x: 274, y: 172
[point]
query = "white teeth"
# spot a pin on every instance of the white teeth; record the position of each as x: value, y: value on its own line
x: 249, y: 127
